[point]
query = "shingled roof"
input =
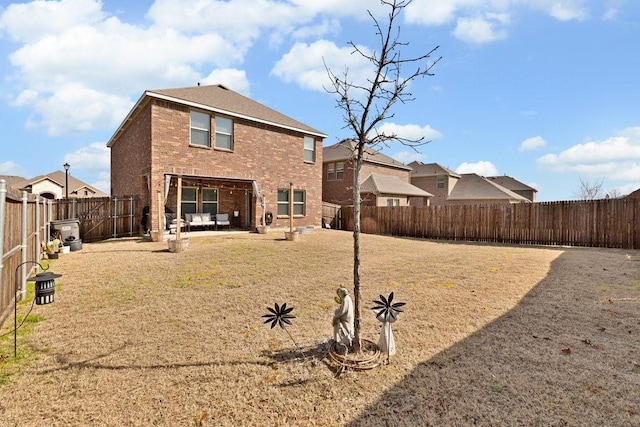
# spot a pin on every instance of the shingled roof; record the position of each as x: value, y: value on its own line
x: 220, y: 99
x: 378, y: 183
x: 510, y: 183
x: 430, y: 169
x: 345, y: 150
x: 472, y: 186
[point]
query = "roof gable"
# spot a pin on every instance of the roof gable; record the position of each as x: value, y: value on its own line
x: 510, y: 183
x: 378, y: 183
x: 472, y: 186
x: 345, y: 150
x: 430, y: 169
x: 221, y: 100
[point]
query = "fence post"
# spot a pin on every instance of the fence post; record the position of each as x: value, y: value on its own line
x: 36, y: 229
x: 3, y: 210
x: 24, y: 246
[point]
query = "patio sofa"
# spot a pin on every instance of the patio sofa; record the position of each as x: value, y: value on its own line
x: 198, y: 220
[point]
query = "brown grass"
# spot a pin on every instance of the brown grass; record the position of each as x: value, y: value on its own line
x: 491, y: 335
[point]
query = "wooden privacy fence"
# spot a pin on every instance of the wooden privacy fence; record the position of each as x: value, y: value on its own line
x: 24, y: 221
x: 101, y: 218
x: 611, y: 223
x: 331, y: 215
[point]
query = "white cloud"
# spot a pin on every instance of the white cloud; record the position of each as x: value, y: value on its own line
x: 103, y: 182
x: 411, y: 132
x: 75, y: 108
x: 10, y: 168
x: 303, y: 64
x: 95, y: 156
x: 483, y: 168
x: 533, y: 143
x: 480, y: 30
x: 617, y: 157
x: 408, y: 156
x: 30, y: 22
x: 230, y: 77
x: 566, y: 10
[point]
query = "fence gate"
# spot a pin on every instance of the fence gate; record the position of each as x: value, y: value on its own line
x: 101, y: 218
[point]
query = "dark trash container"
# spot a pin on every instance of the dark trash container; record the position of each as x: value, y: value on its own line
x: 74, y: 244
x: 67, y: 228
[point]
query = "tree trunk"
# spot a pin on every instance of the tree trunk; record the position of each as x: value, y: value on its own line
x: 357, y: 342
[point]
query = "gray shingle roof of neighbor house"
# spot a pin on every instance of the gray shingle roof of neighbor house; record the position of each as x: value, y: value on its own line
x: 219, y: 99
x: 511, y: 183
x: 430, y: 169
x: 378, y: 184
x: 472, y: 186
x: 345, y: 150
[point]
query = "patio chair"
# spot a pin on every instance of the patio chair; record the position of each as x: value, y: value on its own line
x: 223, y: 219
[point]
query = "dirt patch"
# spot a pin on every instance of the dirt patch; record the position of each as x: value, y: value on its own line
x: 491, y: 335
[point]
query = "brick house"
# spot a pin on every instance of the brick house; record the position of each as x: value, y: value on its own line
x: 230, y: 152
x: 451, y: 188
x: 384, y: 181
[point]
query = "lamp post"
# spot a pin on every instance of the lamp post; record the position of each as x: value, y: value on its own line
x: 66, y: 179
x: 45, y: 290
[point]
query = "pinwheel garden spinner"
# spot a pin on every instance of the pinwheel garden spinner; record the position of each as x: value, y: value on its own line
x: 281, y: 315
x: 387, y: 312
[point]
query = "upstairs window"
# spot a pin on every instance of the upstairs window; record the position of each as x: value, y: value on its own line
x: 331, y: 171
x: 200, y: 128
x: 335, y: 171
x: 309, y: 149
x: 298, y: 202
x: 224, y: 133
x: 440, y: 182
x: 339, y: 170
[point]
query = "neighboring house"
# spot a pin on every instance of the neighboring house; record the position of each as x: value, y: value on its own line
x: 384, y: 181
x: 435, y: 179
x: 449, y: 187
x: 516, y: 186
x: 230, y: 152
x: 474, y: 189
x: 52, y: 186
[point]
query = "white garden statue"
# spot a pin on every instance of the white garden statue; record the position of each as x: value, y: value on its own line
x: 343, y: 318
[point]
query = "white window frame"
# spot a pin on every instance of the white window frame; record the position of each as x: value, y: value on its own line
x: 440, y: 182
x: 309, y: 148
x: 393, y: 201
x: 220, y: 132
x: 200, y: 130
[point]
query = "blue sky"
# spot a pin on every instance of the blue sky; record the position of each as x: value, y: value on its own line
x: 546, y: 91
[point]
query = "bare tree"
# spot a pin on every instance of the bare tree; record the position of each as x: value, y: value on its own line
x: 367, y: 105
x: 590, y: 190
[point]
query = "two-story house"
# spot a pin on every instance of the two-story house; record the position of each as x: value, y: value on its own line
x: 449, y: 187
x: 231, y: 153
x: 384, y: 181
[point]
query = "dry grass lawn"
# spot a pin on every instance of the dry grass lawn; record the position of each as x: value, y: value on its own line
x: 491, y: 335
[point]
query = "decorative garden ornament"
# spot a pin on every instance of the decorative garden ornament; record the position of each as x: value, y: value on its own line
x: 281, y: 315
x: 343, y: 318
x: 387, y: 312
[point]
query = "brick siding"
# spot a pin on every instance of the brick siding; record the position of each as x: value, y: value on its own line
x: 157, y: 143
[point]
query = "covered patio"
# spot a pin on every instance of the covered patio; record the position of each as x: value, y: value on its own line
x: 188, y: 195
